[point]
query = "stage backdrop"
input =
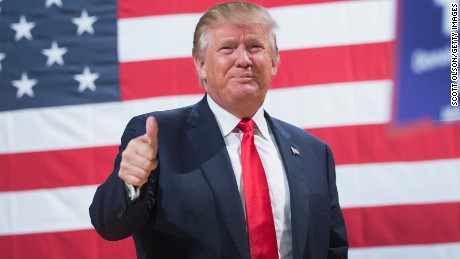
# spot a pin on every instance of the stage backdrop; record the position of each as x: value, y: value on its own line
x: 74, y: 72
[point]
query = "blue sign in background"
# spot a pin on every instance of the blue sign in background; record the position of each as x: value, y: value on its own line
x: 423, y: 61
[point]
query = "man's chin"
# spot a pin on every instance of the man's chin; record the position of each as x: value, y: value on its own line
x: 249, y: 86
x: 249, y: 93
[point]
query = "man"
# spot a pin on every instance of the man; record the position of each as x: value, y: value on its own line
x: 221, y: 178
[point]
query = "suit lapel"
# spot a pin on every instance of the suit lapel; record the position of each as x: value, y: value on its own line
x: 299, y: 195
x: 206, y: 138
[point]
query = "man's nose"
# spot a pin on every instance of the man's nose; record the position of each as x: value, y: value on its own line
x: 243, y: 58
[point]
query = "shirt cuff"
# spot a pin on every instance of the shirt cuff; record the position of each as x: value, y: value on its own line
x: 133, y: 192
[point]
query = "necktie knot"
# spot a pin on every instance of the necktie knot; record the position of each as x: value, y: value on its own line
x: 246, y: 125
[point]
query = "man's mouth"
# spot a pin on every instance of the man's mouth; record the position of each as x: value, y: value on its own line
x: 244, y: 76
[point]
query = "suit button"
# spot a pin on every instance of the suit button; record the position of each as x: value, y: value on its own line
x: 120, y: 214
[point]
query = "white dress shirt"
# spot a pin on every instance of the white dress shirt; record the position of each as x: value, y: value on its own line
x: 273, y: 166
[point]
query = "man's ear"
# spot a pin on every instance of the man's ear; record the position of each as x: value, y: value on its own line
x: 275, y: 64
x: 200, y: 67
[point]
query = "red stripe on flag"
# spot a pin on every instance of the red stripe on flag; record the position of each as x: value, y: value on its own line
x: 298, y: 68
x: 335, y: 64
x: 137, y: 8
x: 74, y: 244
x: 403, y: 225
x: 375, y: 143
x: 61, y: 168
x: 54, y: 169
x: 158, y: 78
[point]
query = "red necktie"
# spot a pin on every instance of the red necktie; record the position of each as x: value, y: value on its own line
x: 261, y: 227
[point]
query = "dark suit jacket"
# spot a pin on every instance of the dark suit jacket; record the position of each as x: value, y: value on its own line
x: 191, y: 206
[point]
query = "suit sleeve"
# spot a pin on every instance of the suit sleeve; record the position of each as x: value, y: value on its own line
x: 112, y: 213
x: 338, y: 245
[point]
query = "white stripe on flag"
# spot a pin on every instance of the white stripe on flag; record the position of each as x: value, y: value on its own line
x: 396, y: 183
x: 332, y: 105
x: 335, y: 23
x: 300, y: 26
x: 47, y: 210
x: 427, y: 251
x: 91, y: 125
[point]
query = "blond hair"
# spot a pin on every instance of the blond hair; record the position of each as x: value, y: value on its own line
x: 239, y: 13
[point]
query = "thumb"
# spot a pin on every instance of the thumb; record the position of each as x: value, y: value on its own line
x: 151, y: 129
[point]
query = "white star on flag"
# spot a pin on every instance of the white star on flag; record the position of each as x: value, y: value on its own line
x: 24, y: 86
x: 22, y: 28
x: 1, y: 7
x: 2, y: 56
x: 86, y: 80
x: 54, y: 54
x: 51, y: 2
x: 85, y: 23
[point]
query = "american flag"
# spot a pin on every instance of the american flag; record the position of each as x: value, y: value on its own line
x: 72, y: 73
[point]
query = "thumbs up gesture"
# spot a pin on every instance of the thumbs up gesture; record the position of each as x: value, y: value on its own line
x: 138, y: 159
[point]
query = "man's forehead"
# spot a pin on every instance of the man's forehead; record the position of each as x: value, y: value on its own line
x: 229, y: 32
x: 246, y: 37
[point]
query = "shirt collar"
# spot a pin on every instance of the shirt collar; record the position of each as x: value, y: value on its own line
x: 227, y: 122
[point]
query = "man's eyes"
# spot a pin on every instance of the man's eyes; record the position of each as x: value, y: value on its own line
x: 226, y: 49
x: 251, y: 48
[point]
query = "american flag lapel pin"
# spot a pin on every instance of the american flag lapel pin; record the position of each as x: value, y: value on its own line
x: 295, y: 151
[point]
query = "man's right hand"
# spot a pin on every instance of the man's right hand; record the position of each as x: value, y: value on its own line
x: 138, y: 159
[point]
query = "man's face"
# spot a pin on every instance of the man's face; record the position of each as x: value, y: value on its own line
x: 238, y: 67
